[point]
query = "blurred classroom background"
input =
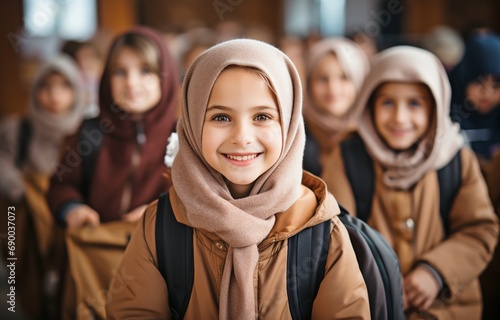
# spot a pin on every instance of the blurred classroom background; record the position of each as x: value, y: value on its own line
x: 33, y: 30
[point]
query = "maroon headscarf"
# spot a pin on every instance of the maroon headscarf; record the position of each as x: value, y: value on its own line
x: 114, y: 162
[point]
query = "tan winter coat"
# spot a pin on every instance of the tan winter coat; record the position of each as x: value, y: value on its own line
x: 461, y: 257
x: 138, y: 290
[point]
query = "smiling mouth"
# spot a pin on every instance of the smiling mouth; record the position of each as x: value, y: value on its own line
x: 400, y: 131
x: 242, y: 158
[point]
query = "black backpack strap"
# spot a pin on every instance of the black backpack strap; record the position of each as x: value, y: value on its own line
x: 450, y: 181
x: 174, y: 250
x: 387, y: 266
x: 91, y: 138
x: 307, y: 253
x: 23, y: 140
x: 360, y: 172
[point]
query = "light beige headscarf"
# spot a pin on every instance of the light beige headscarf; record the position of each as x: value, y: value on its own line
x: 242, y: 223
x: 49, y: 130
x: 443, y: 140
x: 326, y: 127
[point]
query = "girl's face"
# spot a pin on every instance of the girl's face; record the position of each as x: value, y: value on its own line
x: 330, y: 88
x: 484, y: 93
x: 55, y: 94
x: 402, y: 113
x: 241, y: 136
x: 134, y: 86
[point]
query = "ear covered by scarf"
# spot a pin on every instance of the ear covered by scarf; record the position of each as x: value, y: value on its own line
x: 242, y: 223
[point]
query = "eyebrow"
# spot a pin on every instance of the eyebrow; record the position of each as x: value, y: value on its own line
x: 383, y: 94
x: 256, y: 108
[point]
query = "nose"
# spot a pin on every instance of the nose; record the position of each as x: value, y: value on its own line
x: 133, y: 79
x: 242, y: 133
x: 334, y: 85
x: 400, y: 113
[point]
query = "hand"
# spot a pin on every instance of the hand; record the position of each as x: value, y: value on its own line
x: 405, y: 299
x: 12, y: 186
x: 135, y: 214
x: 420, y: 288
x: 16, y: 192
x: 81, y: 215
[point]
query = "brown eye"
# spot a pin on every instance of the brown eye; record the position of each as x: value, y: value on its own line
x: 220, y: 118
x: 414, y: 103
x: 262, y: 117
x: 119, y: 72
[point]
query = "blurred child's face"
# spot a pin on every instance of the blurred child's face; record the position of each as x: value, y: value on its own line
x: 89, y: 61
x: 135, y: 88
x: 484, y: 93
x: 55, y: 94
x: 242, y: 130
x: 402, y: 113
x: 330, y: 88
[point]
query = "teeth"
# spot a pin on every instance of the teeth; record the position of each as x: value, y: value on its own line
x: 241, y: 158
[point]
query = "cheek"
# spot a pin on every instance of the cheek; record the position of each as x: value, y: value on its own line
x: 272, y: 138
x: 423, y: 120
x: 496, y: 96
x: 209, y: 142
x: 350, y: 91
x: 380, y: 116
x: 42, y: 97
x: 116, y: 88
x: 154, y: 90
x: 152, y: 84
x: 69, y: 95
x: 317, y: 89
x: 473, y: 91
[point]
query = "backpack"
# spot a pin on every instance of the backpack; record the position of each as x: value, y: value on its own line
x: 361, y: 175
x: 378, y: 263
x: 23, y: 140
x: 89, y: 159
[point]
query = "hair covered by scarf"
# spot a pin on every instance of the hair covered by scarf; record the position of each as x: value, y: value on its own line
x: 442, y: 140
x: 242, y: 223
x: 328, y: 128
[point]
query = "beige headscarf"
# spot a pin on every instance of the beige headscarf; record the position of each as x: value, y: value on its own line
x: 443, y: 140
x: 242, y: 223
x: 49, y: 130
x: 326, y: 127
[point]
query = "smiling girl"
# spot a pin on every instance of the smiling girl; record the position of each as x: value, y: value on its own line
x: 336, y: 69
x: 407, y: 135
x: 98, y: 200
x: 238, y: 182
x: 138, y: 100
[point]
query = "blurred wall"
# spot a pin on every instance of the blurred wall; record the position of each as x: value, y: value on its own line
x: 179, y: 15
x: 408, y: 16
x: 13, y: 95
x: 115, y: 16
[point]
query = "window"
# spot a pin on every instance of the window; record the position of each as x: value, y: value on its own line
x: 67, y: 19
x: 326, y: 17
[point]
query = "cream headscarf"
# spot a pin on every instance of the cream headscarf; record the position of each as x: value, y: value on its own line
x: 326, y: 127
x: 443, y: 140
x: 49, y: 130
x: 242, y: 223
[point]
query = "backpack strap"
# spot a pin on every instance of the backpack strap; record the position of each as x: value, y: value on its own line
x: 307, y: 253
x: 174, y: 250
x: 359, y: 169
x: 360, y: 172
x: 89, y: 127
x: 450, y: 181
x: 383, y: 279
x: 23, y: 140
